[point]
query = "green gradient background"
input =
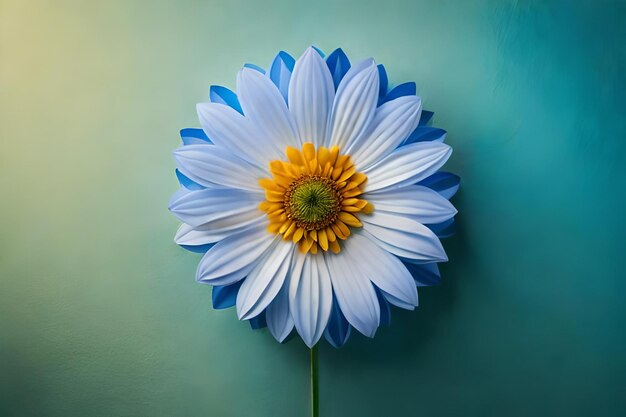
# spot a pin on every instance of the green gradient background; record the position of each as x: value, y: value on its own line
x: 99, y: 311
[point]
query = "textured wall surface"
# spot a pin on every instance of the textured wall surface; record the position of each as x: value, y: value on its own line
x: 99, y: 311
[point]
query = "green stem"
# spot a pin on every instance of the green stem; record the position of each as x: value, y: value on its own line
x: 315, y: 388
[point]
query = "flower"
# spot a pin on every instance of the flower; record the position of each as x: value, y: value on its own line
x: 316, y: 196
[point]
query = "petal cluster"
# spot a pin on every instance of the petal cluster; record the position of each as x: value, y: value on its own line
x: 316, y: 196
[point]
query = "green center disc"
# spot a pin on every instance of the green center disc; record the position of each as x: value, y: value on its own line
x: 313, y: 202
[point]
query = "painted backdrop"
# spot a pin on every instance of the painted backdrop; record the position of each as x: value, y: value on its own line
x: 99, y: 311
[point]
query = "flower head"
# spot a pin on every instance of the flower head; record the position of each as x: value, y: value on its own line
x: 315, y: 195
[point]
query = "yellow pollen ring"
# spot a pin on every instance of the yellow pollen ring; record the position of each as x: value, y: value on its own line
x: 313, y: 198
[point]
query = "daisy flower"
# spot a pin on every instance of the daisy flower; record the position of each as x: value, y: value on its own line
x: 316, y: 196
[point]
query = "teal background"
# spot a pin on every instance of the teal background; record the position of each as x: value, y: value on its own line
x: 99, y: 311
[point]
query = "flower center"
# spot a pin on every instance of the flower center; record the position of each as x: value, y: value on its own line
x: 313, y: 202
x: 312, y: 199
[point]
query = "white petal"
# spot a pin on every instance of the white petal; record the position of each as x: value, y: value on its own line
x: 228, y: 129
x: 265, y: 280
x: 180, y: 193
x: 393, y: 123
x: 187, y: 235
x: 354, y: 292
x: 233, y: 258
x: 403, y: 237
x: 277, y: 315
x: 399, y: 302
x: 311, y: 94
x: 266, y: 109
x: 209, y: 165
x: 414, y: 201
x: 310, y: 298
x: 355, y: 103
x: 216, y: 207
x: 385, y: 270
x: 221, y: 229
x: 407, y: 165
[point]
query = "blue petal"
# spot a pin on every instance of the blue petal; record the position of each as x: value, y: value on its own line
x: 385, y: 308
x: 338, y: 329
x: 424, y: 274
x: 445, y: 183
x: 192, y: 136
x: 384, y: 81
x: 198, y: 249
x: 258, y: 322
x: 426, y: 116
x: 338, y: 64
x: 223, y: 95
x: 406, y: 89
x: 426, y: 133
x: 443, y: 230
x: 254, y: 67
x: 280, y: 72
x: 187, y: 182
x: 225, y: 296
